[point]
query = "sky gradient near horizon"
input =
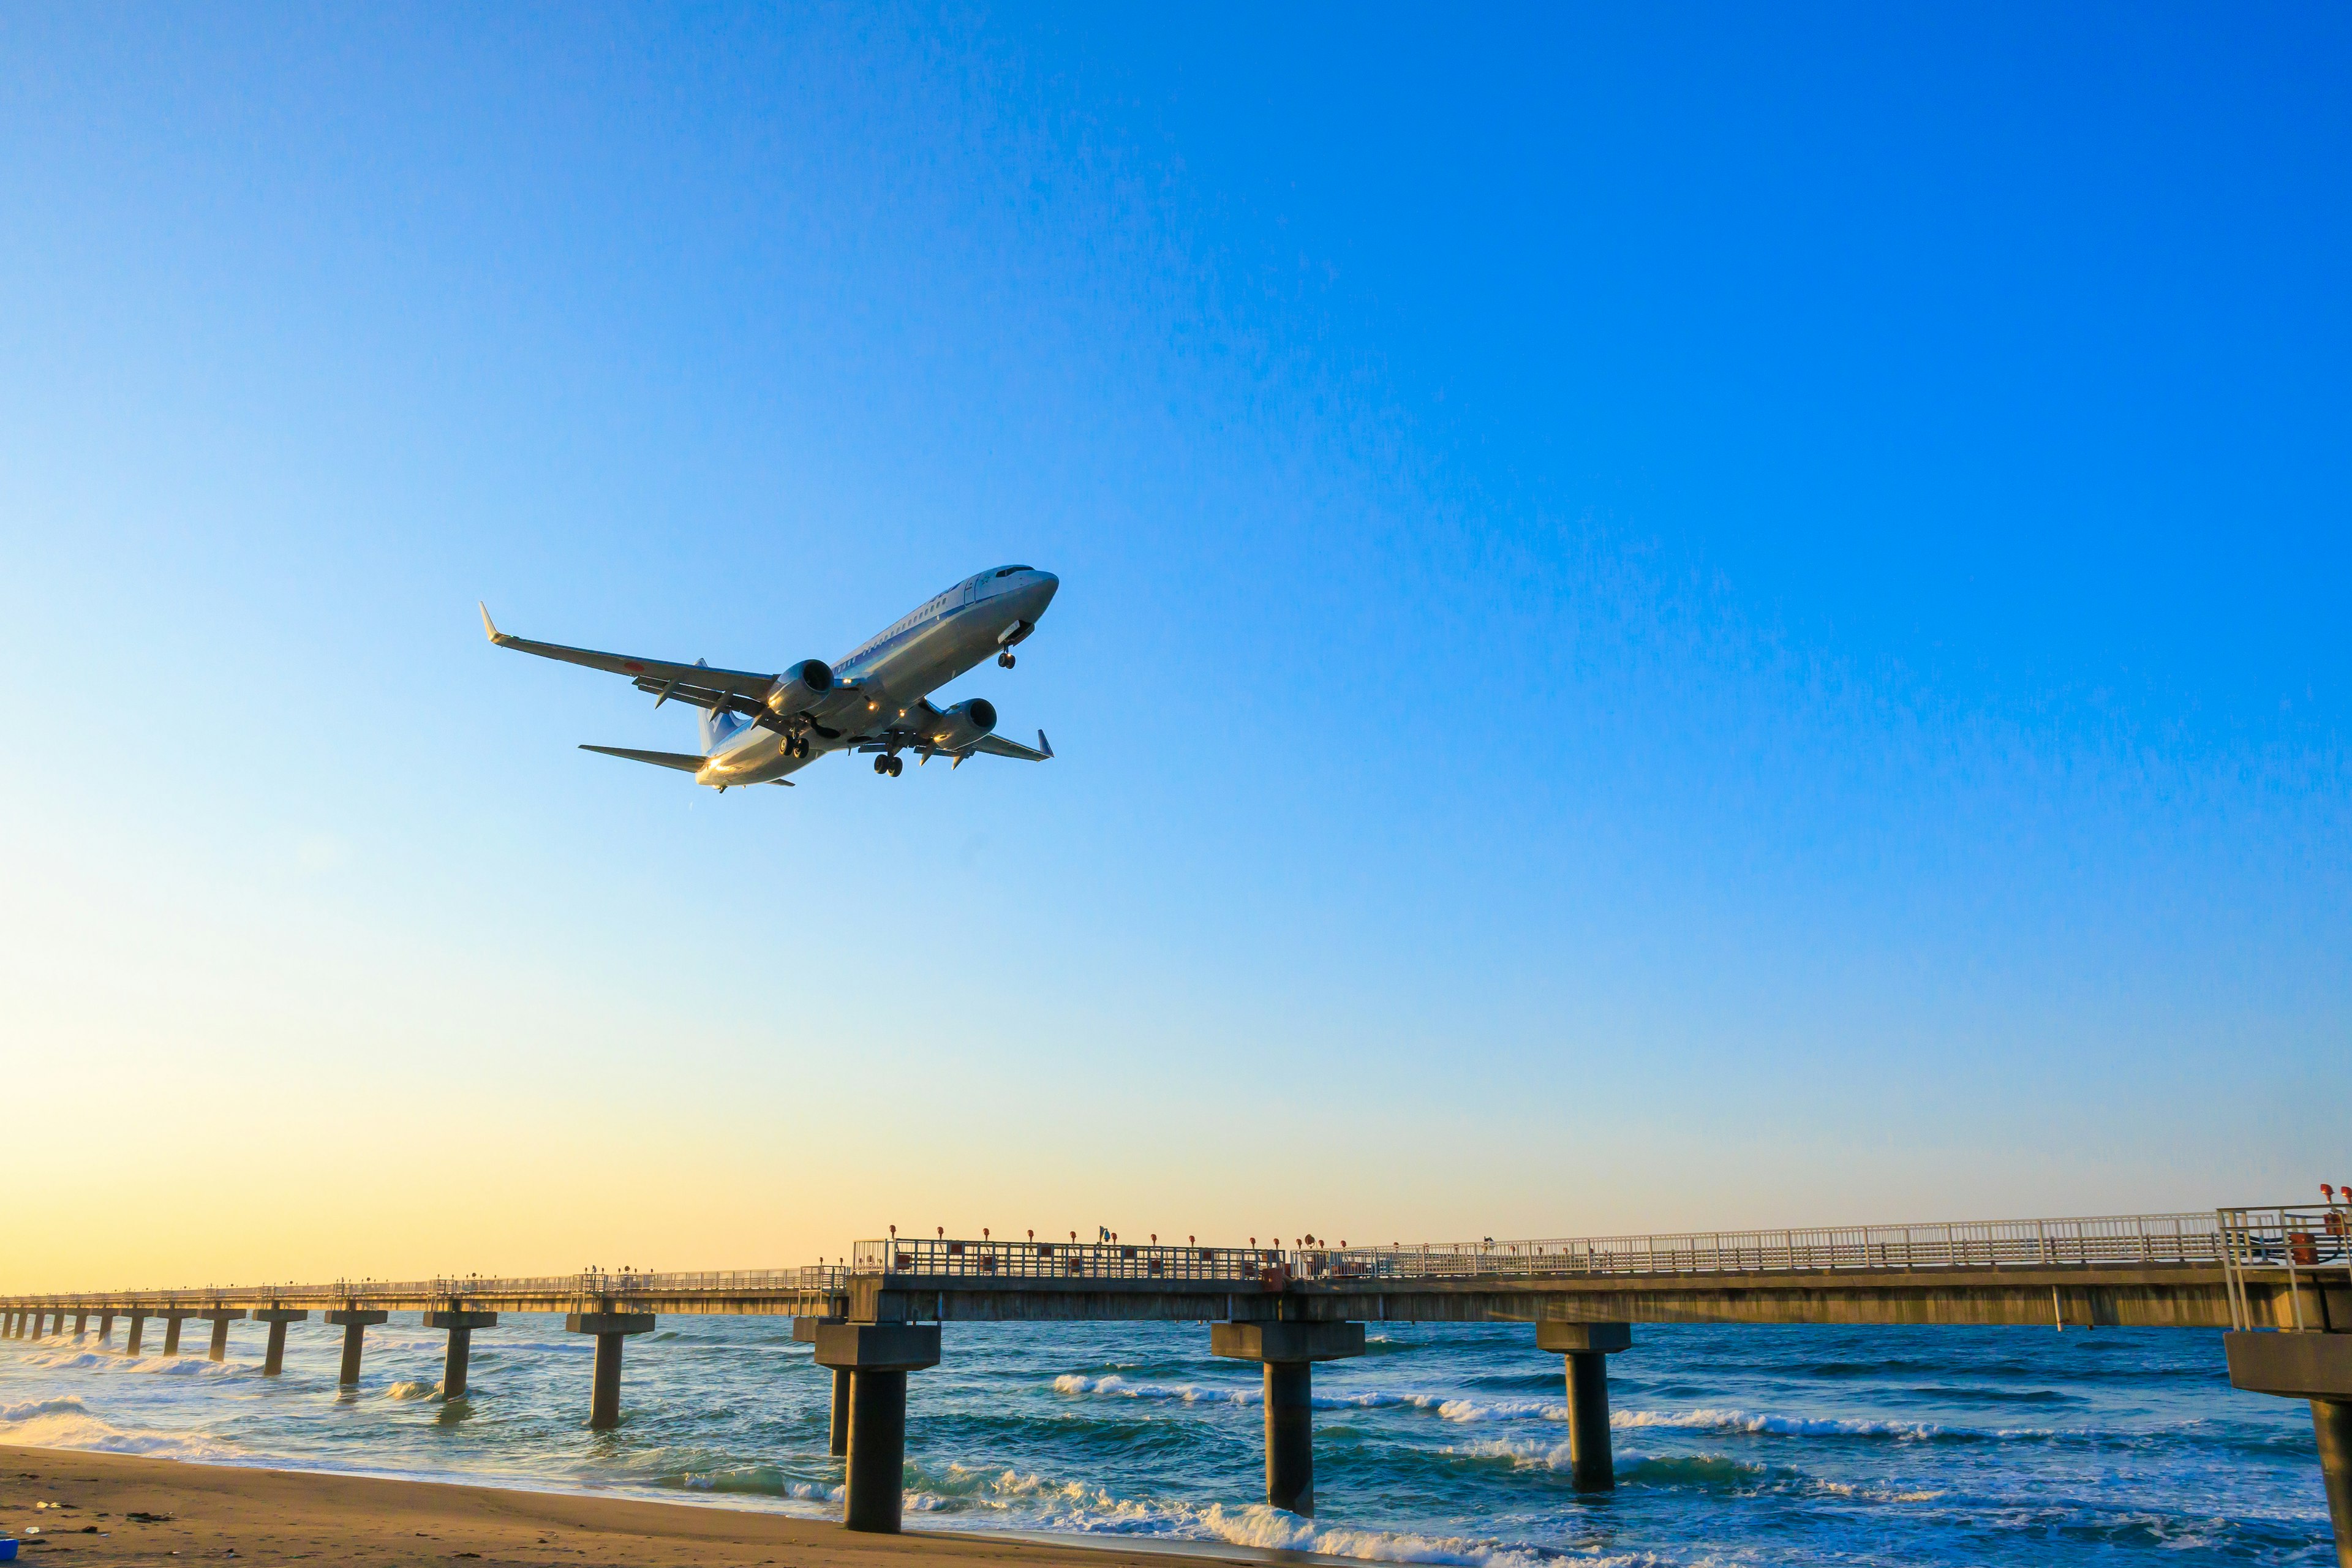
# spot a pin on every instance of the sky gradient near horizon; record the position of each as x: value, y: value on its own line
x: 1670, y: 618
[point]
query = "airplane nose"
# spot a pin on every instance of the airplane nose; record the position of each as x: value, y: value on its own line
x: 1043, y: 588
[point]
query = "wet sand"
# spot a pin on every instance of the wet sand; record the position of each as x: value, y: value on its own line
x: 224, y: 1513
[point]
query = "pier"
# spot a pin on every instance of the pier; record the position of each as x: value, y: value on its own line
x: 2278, y: 1279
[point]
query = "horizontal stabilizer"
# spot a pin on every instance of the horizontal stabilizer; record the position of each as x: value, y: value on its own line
x: 683, y: 761
x: 998, y: 746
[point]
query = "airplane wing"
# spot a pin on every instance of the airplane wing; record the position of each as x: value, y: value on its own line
x: 998, y: 746
x: 685, y: 681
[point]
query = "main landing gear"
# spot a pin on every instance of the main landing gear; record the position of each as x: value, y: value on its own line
x: 1005, y: 659
x: 889, y: 767
x: 797, y: 748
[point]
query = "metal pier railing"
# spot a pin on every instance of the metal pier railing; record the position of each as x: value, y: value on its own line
x: 1063, y: 1260
x: 2289, y: 1239
x: 2107, y: 1240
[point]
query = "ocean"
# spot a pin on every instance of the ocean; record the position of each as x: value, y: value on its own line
x: 1445, y: 1444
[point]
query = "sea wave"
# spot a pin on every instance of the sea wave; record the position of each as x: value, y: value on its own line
x: 1117, y: 1387
x: 1779, y: 1425
x: 1450, y: 1407
x: 988, y: 1497
x: 68, y: 1424
x: 405, y: 1390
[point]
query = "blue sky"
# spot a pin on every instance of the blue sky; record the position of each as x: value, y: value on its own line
x: 1674, y: 617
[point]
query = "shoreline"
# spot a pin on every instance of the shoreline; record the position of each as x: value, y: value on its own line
x: 251, y: 1513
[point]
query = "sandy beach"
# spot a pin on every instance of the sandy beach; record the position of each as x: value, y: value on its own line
x: 94, y: 1508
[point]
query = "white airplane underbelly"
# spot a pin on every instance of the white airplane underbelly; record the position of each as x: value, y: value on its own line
x: 755, y: 757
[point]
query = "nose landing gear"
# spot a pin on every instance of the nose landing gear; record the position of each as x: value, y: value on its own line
x: 1004, y: 660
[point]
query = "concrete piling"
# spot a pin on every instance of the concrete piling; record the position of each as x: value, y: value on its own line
x: 81, y: 1325
x: 106, y: 1327
x: 138, y: 1326
x: 610, y: 1329
x: 1588, y: 1347
x: 220, y: 1318
x: 877, y: 1357
x: 354, y: 1322
x: 273, y: 1360
x: 1288, y: 1351
x: 461, y: 1325
x: 1290, y: 1436
x: 173, y: 1319
x: 2332, y: 1420
x: 873, y: 1495
x: 39, y: 1319
x: 838, y: 1438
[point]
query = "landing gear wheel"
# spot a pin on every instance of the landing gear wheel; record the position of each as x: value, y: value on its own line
x: 1005, y: 659
x: 897, y: 766
x: 882, y: 764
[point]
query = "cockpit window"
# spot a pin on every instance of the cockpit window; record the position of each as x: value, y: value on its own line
x: 1008, y: 571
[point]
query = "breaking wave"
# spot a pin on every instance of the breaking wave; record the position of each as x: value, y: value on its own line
x: 68, y: 1424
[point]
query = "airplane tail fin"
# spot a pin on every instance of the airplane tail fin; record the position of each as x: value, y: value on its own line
x: 719, y: 726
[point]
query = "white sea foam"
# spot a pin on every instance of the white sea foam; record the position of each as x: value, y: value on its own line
x: 1717, y: 1420
x: 412, y: 1390
x: 68, y: 1424
x: 1502, y: 1410
x: 1116, y: 1387
x: 1039, y: 1501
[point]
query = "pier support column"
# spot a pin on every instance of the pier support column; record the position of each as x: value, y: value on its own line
x: 1588, y: 1347
x: 2308, y: 1364
x: 138, y: 1325
x: 461, y: 1325
x: 2332, y: 1419
x: 81, y: 1325
x: 40, y: 1323
x: 273, y: 1360
x: 1288, y: 1351
x: 220, y: 1318
x: 837, y: 1438
x: 804, y: 1331
x: 172, y: 1321
x: 105, y: 1329
x: 610, y: 1329
x: 354, y: 1322
x: 877, y: 1357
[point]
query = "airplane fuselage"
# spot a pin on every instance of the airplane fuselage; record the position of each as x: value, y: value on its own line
x: 895, y: 670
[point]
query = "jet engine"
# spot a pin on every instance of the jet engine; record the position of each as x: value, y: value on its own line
x: 800, y: 688
x: 963, y: 724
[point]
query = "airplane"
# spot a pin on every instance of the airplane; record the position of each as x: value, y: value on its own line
x: 758, y: 729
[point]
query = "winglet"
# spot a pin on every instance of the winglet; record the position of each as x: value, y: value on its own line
x: 1044, y: 744
x: 489, y: 627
